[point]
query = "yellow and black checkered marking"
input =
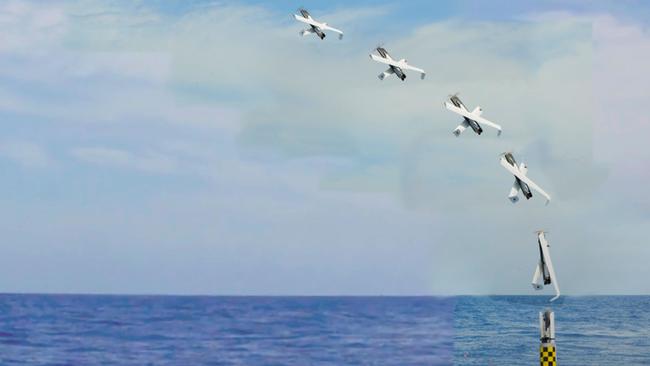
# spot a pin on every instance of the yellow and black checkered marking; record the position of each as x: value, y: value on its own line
x: 547, y: 356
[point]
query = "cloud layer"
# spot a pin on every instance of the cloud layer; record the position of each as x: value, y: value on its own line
x: 214, y: 150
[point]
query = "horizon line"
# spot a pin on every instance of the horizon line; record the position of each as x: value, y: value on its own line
x: 27, y: 293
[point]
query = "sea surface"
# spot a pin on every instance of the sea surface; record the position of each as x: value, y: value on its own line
x: 206, y: 330
x: 598, y: 330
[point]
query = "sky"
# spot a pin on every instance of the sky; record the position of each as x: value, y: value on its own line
x: 201, y: 147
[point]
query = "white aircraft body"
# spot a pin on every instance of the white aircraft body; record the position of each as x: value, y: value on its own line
x: 522, y: 182
x: 471, y: 119
x: 314, y: 26
x: 394, y: 67
x: 544, y: 272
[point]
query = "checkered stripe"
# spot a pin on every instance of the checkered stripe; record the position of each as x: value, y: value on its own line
x: 547, y: 356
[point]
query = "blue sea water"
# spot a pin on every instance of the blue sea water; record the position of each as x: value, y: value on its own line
x: 142, y: 330
x: 591, y: 330
x: 198, y: 330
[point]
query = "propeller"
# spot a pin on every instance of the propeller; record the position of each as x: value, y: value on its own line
x: 300, y: 10
x: 449, y: 96
x: 380, y: 44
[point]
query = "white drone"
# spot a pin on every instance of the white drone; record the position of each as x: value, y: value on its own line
x: 522, y: 182
x: 471, y: 119
x: 314, y: 26
x: 394, y: 66
x: 544, y: 272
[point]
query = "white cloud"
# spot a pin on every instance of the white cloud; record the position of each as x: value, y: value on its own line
x: 150, y: 162
x: 29, y: 27
x: 26, y: 154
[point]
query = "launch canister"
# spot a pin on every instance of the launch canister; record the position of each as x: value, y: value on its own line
x: 547, y: 355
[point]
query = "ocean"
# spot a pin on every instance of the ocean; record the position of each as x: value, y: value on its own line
x: 215, y: 330
x: 591, y: 330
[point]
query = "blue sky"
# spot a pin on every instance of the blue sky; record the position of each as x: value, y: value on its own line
x: 204, y: 147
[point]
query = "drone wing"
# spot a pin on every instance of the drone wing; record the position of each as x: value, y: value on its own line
x: 309, y: 21
x: 413, y: 68
x: 327, y: 27
x: 383, y: 60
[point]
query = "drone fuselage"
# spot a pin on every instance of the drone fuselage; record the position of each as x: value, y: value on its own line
x: 318, y: 31
x: 398, y: 72
x: 472, y: 123
x: 524, y: 188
